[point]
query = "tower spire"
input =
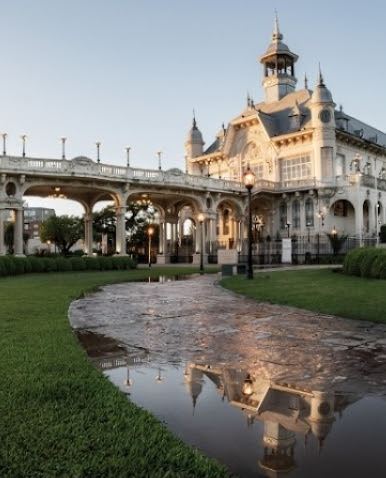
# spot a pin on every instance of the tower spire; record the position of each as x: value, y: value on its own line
x: 276, y: 30
x: 279, y: 70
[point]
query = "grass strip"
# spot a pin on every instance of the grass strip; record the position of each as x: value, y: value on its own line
x: 59, y: 416
x: 318, y: 290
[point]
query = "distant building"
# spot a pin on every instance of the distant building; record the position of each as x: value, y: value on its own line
x: 33, y: 217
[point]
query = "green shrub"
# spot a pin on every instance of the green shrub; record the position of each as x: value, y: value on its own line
x: 49, y: 264
x: 106, y: 263
x: 19, y: 263
x: 77, y: 263
x: 368, y: 259
x: 3, y: 270
x: 36, y: 264
x: 379, y: 264
x: 63, y: 264
x: 9, y: 265
x: 352, y: 261
x: 92, y: 263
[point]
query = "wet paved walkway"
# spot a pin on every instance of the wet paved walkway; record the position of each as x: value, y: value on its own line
x: 197, y: 320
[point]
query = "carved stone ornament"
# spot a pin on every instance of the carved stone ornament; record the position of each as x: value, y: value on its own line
x: 175, y: 172
x: 82, y: 161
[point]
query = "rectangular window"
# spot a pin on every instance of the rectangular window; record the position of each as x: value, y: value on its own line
x: 340, y: 166
x: 326, y: 158
x: 296, y: 168
x: 258, y: 169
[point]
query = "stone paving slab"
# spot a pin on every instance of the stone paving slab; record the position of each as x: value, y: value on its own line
x: 195, y: 320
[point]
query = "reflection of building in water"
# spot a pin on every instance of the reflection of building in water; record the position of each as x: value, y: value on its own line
x: 284, y: 408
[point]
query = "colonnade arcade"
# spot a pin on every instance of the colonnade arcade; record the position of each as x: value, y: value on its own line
x: 176, y: 213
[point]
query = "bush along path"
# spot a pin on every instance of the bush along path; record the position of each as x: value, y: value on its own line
x: 60, y: 417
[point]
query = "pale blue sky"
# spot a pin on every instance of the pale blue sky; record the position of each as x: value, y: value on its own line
x: 130, y: 72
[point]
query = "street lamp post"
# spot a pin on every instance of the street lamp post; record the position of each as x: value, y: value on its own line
x: 23, y: 138
x: 98, y: 145
x: 249, y: 181
x: 63, y: 139
x: 150, y: 232
x: 201, y: 219
x: 4, y: 135
x: 159, y: 154
x: 128, y: 156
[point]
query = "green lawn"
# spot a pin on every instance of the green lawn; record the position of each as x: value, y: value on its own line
x: 59, y: 416
x: 320, y: 290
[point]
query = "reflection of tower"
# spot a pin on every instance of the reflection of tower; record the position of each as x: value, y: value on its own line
x: 321, y: 416
x: 279, y: 445
x: 194, y: 382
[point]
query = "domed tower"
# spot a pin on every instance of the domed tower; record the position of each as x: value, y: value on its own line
x: 323, y: 122
x: 279, y: 68
x: 194, y: 146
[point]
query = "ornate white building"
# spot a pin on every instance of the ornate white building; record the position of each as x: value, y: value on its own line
x: 316, y: 167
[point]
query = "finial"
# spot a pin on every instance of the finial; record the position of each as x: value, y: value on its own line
x: 194, y: 120
x: 276, y: 31
x: 223, y: 128
x: 248, y: 100
x: 320, y: 77
x: 305, y: 81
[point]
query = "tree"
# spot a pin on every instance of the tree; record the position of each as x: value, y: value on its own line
x: 336, y: 241
x: 64, y: 231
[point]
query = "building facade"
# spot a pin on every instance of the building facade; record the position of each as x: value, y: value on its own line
x: 317, y: 168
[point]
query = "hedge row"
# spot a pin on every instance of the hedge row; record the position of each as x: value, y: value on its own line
x: 367, y: 262
x: 10, y: 265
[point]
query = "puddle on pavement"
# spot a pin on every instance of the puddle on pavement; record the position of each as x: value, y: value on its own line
x: 253, y: 425
x: 164, y: 279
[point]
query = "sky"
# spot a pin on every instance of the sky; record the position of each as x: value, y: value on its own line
x: 131, y: 72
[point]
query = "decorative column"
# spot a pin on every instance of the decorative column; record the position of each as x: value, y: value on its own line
x: 242, y: 235
x: 161, y: 238
x: 120, y: 232
x: 18, y: 232
x: 88, y: 236
x: 2, y: 244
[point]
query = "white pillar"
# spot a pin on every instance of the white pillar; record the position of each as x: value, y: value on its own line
x: 120, y: 233
x: 2, y: 244
x: 18, y: 232
x: 88, y: 236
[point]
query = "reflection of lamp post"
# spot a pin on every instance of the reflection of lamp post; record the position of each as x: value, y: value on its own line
x: 321, y: 217
x: 249, y: 181
x: 377, y: 220
x: 308, y: 225
x: 159, y: 377
x: 23, y: 138
x: 150, y: 232
x: 4, y: 135
x: 201, y: 219
x: 98, y: 145
x: 288, y: 226
x: 247, y: 388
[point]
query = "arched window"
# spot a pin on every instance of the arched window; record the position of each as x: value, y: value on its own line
x: 296, y: 214
x: 283, y: 215
x: 309, y: 210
